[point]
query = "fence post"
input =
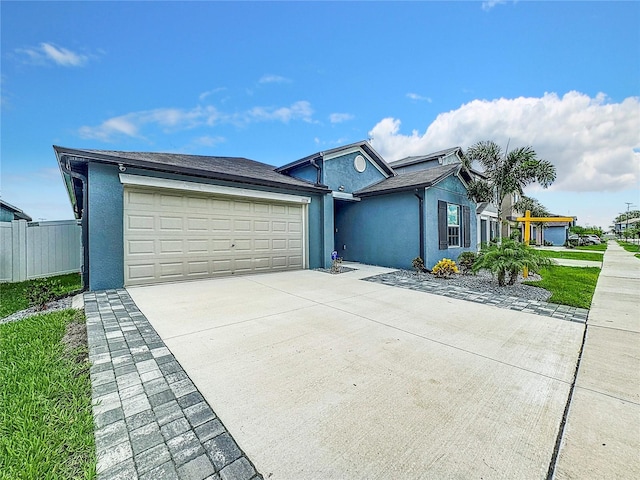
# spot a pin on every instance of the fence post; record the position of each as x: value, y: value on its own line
x: 19, y: 244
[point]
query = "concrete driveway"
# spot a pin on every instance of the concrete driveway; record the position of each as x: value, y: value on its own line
x: 327, y: 376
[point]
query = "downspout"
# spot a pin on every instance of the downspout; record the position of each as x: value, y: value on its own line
x: 314, y: 164
x: 421, y: 223
x: 84, y: 221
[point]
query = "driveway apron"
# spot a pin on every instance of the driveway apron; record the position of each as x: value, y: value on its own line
x: 327, y: 376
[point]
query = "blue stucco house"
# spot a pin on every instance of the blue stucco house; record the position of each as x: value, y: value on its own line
x: 554, y: 233
x: 163, y: 217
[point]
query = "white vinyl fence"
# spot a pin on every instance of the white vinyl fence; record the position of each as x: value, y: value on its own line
x: 39, y: 249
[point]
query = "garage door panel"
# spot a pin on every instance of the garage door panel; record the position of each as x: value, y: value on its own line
x: 198, y: 268
x: 221, y: 224
x: 171, y: 247
x: 243, y: 245
x: 243, y: 264
x: 241, y: 225
x: 222, y: 266
x: 171, y: 269
x: 171, y: 223
x: 197, y: 246
x: 197, y: 224
x: 141, y: 222
x: 174, y: 236
x: 140, y: 247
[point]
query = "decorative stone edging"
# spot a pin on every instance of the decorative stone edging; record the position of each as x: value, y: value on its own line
x: 563, y: 312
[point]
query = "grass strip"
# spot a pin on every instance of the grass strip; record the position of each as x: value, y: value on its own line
x: 573, y: 286
x: 597, y: 248
x: 13, y: 296
x: 46, y: 423
x: 630, y: 247
x: 572, y: 255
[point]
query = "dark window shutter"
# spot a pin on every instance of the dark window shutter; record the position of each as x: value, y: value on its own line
x: 442, y: 225
x: 466, y: 226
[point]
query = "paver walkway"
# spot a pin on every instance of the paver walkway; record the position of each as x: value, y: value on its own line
x: 151, y: 421
x: 537, y: 307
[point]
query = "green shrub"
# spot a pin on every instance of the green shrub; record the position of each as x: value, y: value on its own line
x: 418, y: 264
x: 445, y: 268
x: 43, y: 291
x: 466, y: 261
x: 510, y: 258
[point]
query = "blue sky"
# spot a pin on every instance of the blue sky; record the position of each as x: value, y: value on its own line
x: 278, y: 81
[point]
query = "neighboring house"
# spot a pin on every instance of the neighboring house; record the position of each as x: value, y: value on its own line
x: 509, y: 215
x: 157, y: 217
x: 621, y: 227
x: 552, y: 232
x: 9, y: 213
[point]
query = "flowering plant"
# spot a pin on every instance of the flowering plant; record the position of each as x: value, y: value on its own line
x: 445, y: 268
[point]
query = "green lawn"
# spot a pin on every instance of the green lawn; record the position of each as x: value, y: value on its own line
x: 630, y: 247
x: 13, y: 296
x: 597, y: 248
x: 46, y: 424
x: 572, y: 286
x: 572, y: 255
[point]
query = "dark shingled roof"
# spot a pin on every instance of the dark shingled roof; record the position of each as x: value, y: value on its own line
x: 233, y: 169
x: 408, y: 181
x: 423, y: 158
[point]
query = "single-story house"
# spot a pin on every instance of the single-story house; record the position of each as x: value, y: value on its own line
x: 8, y: 213
x: 555, y: 233
x: 621, y: 227
x: 158, y: 217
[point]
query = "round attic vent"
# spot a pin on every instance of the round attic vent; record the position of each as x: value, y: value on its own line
x: 359, y: 163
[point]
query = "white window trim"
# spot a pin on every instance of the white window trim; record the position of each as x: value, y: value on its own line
x: 458, y: 226
x: 143, y: 181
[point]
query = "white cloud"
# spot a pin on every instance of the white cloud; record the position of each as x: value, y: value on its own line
x: 170, y: 119
x: 340, y: 117
x: 47, y: 53
x: 415, y: 96
x: 488, y: 5
x: 173, y: 119
x: 593, y: 143
x: 269, y: 78
x: 208, y: 141
x: 204, y: 95
x: 297, y: 111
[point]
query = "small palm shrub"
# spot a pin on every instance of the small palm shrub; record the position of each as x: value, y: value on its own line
x: 508, y: 259
x: 466, y: 261
x: 418, y: 264
x: 445, y: 268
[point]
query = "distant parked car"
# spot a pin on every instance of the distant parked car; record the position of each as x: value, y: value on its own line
x: 590, y: 239
x: 593, y: 239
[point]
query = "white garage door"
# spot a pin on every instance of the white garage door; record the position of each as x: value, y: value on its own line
x: 172, y: 236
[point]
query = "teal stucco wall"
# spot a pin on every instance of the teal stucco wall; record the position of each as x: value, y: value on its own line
x: 382, y: 230
x: 106, y: 248
x: 450, y: 190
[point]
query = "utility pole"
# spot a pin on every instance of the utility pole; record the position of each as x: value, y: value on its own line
x: 626, y: 230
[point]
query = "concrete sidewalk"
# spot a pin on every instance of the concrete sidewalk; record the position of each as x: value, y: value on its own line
x: 601, y: 438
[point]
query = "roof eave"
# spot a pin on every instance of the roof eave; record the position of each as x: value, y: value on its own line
x: 110, y: 159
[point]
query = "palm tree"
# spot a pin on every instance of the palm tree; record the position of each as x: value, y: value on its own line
x: 506, y: 173
x: 509, y: 258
